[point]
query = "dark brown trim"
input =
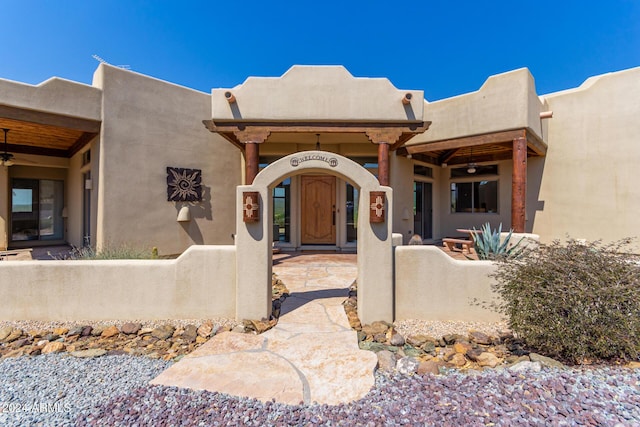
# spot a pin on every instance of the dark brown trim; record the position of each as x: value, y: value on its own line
x: 39, y: 151
x: 84, y: 139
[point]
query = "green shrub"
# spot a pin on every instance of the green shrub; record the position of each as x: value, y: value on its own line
x: 112, y: 252
x: 578, y: 302
x: 488, y: 246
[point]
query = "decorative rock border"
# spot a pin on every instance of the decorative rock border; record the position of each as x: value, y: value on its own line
x: 165, y: 341
x: 418, y: 353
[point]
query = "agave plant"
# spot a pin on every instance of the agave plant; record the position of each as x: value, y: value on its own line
x: 488, y: 246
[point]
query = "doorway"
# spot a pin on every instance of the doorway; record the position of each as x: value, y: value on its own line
x: 318, y: 210
x: 36, y: 210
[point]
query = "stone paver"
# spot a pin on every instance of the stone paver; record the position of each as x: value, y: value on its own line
x: 311, y: 355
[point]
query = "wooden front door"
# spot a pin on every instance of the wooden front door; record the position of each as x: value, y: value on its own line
x: 318, y: 210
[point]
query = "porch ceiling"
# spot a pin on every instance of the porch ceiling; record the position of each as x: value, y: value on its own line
x: 305, y: 132
x: 476, y: 148
x: 46, y: 134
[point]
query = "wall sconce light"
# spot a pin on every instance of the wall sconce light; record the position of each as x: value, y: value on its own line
x: 405, y: 214
x: 184, y: 214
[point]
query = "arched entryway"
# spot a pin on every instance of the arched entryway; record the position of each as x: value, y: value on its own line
x: 254, y: 235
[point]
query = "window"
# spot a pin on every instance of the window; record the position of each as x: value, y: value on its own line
x: 422, y: 209
x: 352, y: 213
x: 474, y: 197
x: 424, y: 171
x: 282, y: 211
x: 36, y: 210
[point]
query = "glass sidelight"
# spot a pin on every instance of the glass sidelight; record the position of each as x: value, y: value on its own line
x: 36, y: 210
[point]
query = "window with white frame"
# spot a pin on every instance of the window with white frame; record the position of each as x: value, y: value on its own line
x: 474, y: 193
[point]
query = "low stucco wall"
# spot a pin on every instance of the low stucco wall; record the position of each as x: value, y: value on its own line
x: 430, y: 285
x: 199, y: 284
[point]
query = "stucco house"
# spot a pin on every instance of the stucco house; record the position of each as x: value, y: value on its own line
x: 137, y: 160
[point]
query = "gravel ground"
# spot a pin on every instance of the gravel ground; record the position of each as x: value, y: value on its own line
x: 438, y: 329
x: 112, y: 391
x: 28, y: 325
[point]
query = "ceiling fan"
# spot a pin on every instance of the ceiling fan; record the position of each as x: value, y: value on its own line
x: 6, y: 158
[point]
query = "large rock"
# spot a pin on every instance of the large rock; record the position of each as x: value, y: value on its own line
x: 60, y: 331
x: 430, y: 367
x: 419, y: 340
x: 163, y: 332
x: 524, y: 366
x: 5, y: 332
x: 205, y: 329
x: 462, y: 347
x: 458, y: 360
x: 89, y: 353
x: 397, y: 340
x: 53, y: 347
x: 546, y: 361
x: 14, y: 335
x: 480, y: 338
x: 190, y: 333
x: 75, y: 331
x: 386, y: 360
x: 488, y: 359
x: 407, y: 365
x: 130, y: 328
x: 111, y: 331
x: 375, y: 328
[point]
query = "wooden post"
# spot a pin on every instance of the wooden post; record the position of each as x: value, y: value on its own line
x: 252, y: 161
x: 519, y: 185
x: 383, y: 163
x: 251, y: 138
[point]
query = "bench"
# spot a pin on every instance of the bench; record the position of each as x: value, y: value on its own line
x: 16, y: 254
x: 451, y: 243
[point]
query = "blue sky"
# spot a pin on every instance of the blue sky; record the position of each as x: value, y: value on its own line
x: 442, y: 47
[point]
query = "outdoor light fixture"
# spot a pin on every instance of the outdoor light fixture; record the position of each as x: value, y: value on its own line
x: 318, y: 142
x: 5, y: 158
x: 471, y: 166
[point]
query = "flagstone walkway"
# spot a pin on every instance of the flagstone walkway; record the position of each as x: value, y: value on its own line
x: 311, y: 355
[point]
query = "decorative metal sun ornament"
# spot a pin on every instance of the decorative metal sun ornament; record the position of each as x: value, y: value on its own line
x: 184, y: 185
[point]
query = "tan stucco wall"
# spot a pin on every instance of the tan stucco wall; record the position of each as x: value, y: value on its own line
x: 149, y: 124
x: 317, y: 93
x: 589, y: 183
x: 504, y: 102
x: 430, y: 285
x: 198, y: 285
x: 55, y: 95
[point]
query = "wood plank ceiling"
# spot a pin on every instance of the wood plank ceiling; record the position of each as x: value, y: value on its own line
x: 44, y: 133
x: 476, y: 148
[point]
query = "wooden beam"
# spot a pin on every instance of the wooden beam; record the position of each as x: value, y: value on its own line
x: 536, y: 144
x: 447, y: 155
x: 51, y: 119
x: 84, y: 139
x: 38, y: 151
x: 519, y: 185
x: 404, y: 130
x: 467, y: 141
